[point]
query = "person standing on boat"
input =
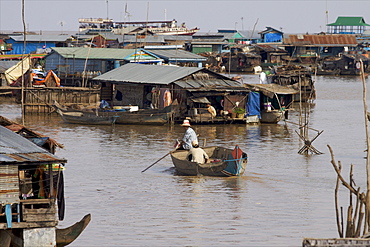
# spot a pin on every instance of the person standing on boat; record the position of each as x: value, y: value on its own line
x: 197, y: 154
x: 189, y: 136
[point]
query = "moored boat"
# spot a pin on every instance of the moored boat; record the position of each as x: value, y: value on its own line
x: 122, y: 116
x: 223, y: 162
x: 82, y: 118
x: 271, y: 116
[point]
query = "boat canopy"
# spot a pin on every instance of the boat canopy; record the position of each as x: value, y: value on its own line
x: 203, y: 100
x: 271, y: 89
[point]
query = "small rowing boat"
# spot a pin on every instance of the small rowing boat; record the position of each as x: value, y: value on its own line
x: 223, y: 162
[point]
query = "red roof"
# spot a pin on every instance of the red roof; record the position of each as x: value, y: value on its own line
x: 332, y: 39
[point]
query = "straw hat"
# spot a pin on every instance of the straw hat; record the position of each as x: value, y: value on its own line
x: 186, y: 123
x: 195, y: 143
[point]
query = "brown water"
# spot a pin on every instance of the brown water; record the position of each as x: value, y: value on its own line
x: 282, y: 198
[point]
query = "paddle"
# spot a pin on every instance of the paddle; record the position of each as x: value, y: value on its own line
x: 160, y: 159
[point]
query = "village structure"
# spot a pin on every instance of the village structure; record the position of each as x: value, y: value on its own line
x: 116, y: 73
x: 97, y: 63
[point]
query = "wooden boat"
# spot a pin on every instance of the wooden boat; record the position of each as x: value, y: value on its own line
x: 64, y: 236
x: 223, y: 162
x: 141, y: 116
x: 144, y: 116
x: 272, y: 116
x: 68, y: 235
x: 82, y: 118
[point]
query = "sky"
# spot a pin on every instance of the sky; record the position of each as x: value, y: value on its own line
x: 294, y: 16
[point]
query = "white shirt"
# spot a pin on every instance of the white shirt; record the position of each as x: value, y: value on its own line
x: 198, y: 155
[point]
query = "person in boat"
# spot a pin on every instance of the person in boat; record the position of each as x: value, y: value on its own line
x: 189, y: 136
x: 197, y: 154
x: 211, y: 110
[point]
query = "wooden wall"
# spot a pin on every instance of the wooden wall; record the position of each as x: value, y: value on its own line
x: 40, y: 100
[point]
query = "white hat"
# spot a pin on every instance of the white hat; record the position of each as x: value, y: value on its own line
x: 186, y: 123
x: 194, y: 143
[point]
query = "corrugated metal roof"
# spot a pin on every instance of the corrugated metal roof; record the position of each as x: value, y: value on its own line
x: 154, y: 74
x: 16, y: 127
x: 157, y: 74
x: 96, y: 53
x: 41, y: 38
x: 15, y: 149
x: 270, y: 48
x: 214, y: 83
x: 333, y: 39
x: 147, y: 39
x: 179, y: 54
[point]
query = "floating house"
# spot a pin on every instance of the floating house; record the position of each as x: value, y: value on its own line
x: 208, y: 43
x: 76, y: 66
x: 36, y: 43
x: 32, y: 195
x: 271, y: 35
x: 306, y: 48
x: 177, y: 56
x: 271, y: 55
x: 240, y: 37
x: 148, y: 86
x: 345, y: 64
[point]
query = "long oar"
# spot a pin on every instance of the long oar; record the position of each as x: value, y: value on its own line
x: 159, y: 160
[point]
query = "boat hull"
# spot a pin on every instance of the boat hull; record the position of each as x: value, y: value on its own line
x: 150, y: 117
x: 141, y: 116
x: 87, y: 119
x: 272, y: 116
x: 67, y: 235
x: 226, y: 167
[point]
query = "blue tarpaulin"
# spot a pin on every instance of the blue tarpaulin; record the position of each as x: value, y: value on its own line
x: 253, y: 104
x: 273, y: 37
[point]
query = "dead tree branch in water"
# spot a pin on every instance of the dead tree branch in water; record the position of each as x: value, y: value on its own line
x: 354, y: 215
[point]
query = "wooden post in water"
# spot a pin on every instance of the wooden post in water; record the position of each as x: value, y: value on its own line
x: 24, y: 49
x: 367, y: 207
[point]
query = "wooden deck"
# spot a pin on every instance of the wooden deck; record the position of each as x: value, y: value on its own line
x: 335, y: 242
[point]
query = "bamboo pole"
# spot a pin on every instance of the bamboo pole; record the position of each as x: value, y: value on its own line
x: 367, y: 207
x: 24, y: 49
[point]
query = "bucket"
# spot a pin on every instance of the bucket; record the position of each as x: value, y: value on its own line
x: 267, y: 106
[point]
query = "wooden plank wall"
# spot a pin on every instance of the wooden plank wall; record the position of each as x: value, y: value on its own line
x: 40, y: 100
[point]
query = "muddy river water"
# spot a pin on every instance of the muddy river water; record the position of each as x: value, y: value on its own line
x: 282, y: 198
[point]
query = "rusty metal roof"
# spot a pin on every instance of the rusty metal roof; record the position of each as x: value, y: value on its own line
x: 270, y: 48
x: 15, y: 149
x: 16, y: 127
x: 322, y: 40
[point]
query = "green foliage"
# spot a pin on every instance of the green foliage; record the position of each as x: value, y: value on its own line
x: 239, y: 110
